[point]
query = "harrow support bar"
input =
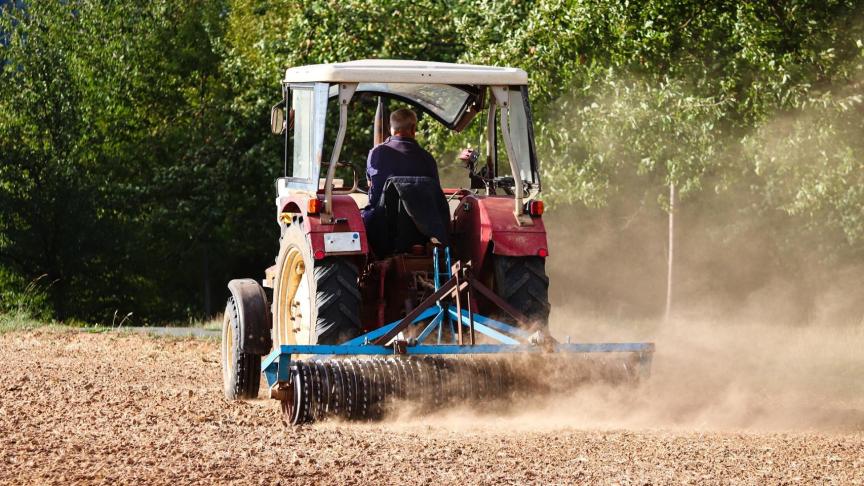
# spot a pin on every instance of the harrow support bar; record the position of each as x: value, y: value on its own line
x: 483, y: 329
x: 277, y: 365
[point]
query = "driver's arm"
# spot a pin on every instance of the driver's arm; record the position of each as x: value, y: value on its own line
x: 377, y: 175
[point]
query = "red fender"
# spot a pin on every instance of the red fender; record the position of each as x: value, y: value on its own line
x: 345, y: 211
x: 483, y: 220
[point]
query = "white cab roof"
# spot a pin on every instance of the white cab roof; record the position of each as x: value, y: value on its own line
x: 397, y: 71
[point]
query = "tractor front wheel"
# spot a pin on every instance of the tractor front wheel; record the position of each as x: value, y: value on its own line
x: 241, y: 372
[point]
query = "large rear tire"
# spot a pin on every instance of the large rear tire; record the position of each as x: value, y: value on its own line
x: 337, y: 299
x: 241, y: 372
x: 314, y: 301
x: 522, y: 283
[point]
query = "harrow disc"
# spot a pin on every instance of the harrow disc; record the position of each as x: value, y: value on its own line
x: 364, y: 388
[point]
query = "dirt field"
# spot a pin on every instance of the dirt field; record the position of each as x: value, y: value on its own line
x: 110, y: 408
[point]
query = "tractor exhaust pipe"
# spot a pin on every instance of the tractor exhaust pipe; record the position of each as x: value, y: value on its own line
x: 382, y: 123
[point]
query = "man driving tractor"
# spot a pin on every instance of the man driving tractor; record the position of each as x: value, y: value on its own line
x: 399, y: 155
x: 401, y: 165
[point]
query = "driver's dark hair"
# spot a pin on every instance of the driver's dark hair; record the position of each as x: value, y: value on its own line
x: 403, y: 119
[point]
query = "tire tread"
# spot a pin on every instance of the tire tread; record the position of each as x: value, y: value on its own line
x: 523, y: 283
x: 338, y: 300
x: 247, y: 367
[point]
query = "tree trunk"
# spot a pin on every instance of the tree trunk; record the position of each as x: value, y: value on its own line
x: 671, y: 255
x: 208, y: 306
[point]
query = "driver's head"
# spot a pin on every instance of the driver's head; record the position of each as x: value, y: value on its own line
x: 403, y: 123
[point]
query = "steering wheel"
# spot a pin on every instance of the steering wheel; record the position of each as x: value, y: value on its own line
x: 462, y: 191
x: 356, y: 186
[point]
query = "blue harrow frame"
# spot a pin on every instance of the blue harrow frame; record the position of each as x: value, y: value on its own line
x: 435, y: 315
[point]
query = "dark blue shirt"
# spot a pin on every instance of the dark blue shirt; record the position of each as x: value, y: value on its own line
x: 397, y: 156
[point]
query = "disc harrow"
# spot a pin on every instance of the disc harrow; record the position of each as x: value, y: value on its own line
x: 476, y: 361
x: 365, y: 388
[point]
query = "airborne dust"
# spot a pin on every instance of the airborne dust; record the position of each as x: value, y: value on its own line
x: 751, y: 346
x: 767, y: 325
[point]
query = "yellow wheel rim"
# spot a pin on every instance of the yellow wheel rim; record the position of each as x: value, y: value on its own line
x: 228, y: 345
x: 293, y: 310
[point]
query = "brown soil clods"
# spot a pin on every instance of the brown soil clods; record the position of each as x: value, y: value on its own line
x: 109, y: 408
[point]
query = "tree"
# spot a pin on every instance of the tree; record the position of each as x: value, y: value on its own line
x: 137, y: 163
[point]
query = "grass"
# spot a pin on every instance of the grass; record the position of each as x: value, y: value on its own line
x: 214, y: 324
x: 26, y: 310
x: 20, y: 321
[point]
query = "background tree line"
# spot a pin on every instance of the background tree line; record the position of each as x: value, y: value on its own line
x: 136, y: 168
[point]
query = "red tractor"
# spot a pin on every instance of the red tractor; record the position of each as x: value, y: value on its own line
x: 328, y: 285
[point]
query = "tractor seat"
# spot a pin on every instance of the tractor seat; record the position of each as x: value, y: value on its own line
x: 415, y: 211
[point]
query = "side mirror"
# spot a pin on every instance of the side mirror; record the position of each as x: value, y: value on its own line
x: 277, y: 120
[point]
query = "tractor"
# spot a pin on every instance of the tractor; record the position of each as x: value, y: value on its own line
x: 347, y: 320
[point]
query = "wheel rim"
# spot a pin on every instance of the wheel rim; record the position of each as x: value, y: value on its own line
x: 293, y: 302
x: 227, y: 346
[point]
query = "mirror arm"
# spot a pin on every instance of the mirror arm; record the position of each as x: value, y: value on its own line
x: 355, y: 187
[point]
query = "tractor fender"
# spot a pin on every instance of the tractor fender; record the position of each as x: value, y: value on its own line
x: 484, y: 222
x: 253, y: 312
x: 345, y: 212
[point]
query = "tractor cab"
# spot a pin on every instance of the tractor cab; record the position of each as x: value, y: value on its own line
x: 453, y: 95
x: 493, y: 216
x: 493, y: 220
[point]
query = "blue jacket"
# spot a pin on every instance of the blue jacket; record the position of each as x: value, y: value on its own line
x: 397, y: 156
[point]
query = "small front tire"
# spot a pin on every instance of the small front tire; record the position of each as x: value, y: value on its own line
x: 241, y: 372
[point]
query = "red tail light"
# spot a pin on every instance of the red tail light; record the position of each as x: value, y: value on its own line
x: 315, y: 206
x: 543, y: 252
x: 535, y: 208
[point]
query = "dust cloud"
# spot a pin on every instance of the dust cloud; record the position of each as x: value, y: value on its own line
x: 706, y: 376
x: 753, y: 345
x: 767, y: 323
x: 762, y: 337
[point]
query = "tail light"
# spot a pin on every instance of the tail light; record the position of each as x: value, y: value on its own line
x: 315, y: 206
x: 534, y: 208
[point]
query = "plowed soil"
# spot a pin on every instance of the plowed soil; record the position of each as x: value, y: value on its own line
x: 112, y: 408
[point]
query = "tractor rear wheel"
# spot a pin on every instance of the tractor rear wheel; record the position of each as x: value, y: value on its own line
x: 522, y: 283
x: 314, y: 301
x: 337, y: 299
x: 241, y: 372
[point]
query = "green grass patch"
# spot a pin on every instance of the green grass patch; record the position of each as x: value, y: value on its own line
x: 20, y: 321
x: 17, y: 321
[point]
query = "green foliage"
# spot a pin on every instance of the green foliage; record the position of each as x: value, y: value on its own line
x: 810, y: 163
x: 136, y: 168
x: 654, y: 131
x: 633, y: 96
x: 121, y: 164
